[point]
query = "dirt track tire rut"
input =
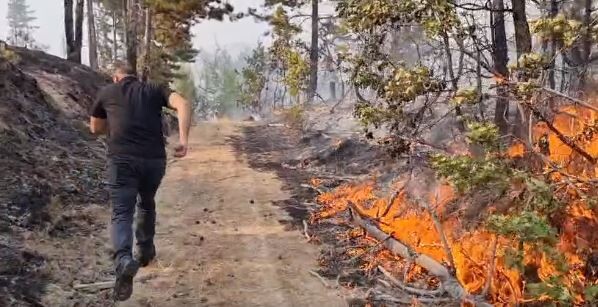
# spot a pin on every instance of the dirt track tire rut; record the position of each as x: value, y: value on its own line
x: 220, y: 241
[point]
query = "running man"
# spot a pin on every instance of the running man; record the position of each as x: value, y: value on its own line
x: 130, y: 113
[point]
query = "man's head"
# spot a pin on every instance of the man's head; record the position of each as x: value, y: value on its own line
x: 121, y: 70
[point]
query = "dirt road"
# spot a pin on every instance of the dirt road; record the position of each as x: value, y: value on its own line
x: 219, y: 239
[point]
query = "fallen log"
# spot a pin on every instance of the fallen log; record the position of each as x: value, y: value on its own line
x: 449, y: 283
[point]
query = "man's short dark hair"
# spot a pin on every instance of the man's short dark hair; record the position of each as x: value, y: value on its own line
x: 121, y: 67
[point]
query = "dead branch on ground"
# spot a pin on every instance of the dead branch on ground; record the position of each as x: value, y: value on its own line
x: 318, y: 276
x: 424, y: 292
x: 98, y: 286
x: 377, y: 296
x: 305, y: 228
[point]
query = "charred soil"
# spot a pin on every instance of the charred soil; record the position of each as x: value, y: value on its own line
x: 52, y: 204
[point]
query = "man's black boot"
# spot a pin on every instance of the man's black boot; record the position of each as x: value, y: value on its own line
x: 145, y: 255
x: 125, y: 272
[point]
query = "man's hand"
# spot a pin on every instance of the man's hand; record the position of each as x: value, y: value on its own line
x: 180, y: 151
x: 98, y: 126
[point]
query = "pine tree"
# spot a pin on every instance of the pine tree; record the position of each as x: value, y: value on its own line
x: 156, y: 31
x: 19, y: 22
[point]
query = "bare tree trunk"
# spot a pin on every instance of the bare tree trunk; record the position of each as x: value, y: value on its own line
x: 78, y: 43
x: 554, y: 9
x: 91, y: 33
x: 68, y: 30
x: 523, y: 37
x: 314, y: 51
x: 500, y: 55
x: 114, y: 37
x: 523, y: 41
x: 131, y: 33
x: 148, y: 44
x: 104, y: 46
x: 125, y: 25
x: 587, y: 44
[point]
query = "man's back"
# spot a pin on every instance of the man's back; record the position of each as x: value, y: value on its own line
x: 134, y: 113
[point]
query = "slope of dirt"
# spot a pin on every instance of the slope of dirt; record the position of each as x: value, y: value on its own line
x: 52, y: 203
x: 220, y: 241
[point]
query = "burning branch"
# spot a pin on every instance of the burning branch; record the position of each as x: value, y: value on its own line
x: 371, y: 248
x: 577, y: 101
x: 392, y: 199
x: 566, y: 140
x: 450, y: 284
x: 492, y: 268
x: 445, y: 244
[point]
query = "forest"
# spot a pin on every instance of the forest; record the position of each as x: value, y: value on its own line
x: 496, y: 100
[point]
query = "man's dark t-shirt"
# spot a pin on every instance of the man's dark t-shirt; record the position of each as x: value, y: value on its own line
x: 134, y: 113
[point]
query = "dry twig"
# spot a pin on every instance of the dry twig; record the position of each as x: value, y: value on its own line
x: 387, y: 298
x: 305, y: 228
x: 98, y: 286
x: 320, y: 191
x: 318, y: 276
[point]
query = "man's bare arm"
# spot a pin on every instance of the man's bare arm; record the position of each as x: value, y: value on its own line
x: 183, y: 109
x: 98, y: 126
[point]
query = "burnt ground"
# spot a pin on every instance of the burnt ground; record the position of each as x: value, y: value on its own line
x: 297, y: 157
x: 52, y: 202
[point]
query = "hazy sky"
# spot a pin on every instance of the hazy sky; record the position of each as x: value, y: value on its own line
x: 230, y: 35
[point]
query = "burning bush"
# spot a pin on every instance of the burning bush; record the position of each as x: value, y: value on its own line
x: 510, y: 234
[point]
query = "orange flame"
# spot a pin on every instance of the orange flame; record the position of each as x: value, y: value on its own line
x: 472, y: 250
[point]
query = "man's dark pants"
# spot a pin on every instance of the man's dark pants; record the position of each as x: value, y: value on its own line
x: 133, y: 182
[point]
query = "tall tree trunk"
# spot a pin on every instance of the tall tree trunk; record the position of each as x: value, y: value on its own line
x: 523, y: 42
x: 554, y: 10
x: 500, y: 55
x: 68, y: 30
x: 148, y: 44
x: 314, y: 51
x: 78, y: 30
x: 587, y: 44
x: 523, y: 37
x: 104, y: 46
x: 114, y: 36
x: 92, y: 36
x: 131, y: 33
x: 125, y: 26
